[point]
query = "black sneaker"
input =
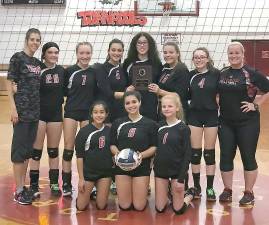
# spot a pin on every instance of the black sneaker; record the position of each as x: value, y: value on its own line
x: 113, y: 188
x: 93, y: 194
x: 226, y: 195
x: 67, y: 190
x: 210, y: 195
x: 33, y: 191
x: 23, y: 198
x: 247, y: 199
x: 197, y: 192
x: 55, y: 190
x: 191, y: 192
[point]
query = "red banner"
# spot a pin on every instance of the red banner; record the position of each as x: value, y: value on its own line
x: 110, y: 18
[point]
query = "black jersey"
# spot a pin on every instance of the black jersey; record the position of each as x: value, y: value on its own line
x: 237, y: 85
x: 111, y: 79
x: 25, y: 71
x: 176, y: 80
x: 93, y: 145
x: 137, y: 135
x: 173, y: 153
x: 80, y: 85
x: 149, y: 100
x: 204, y: 89
x: 52, y: 88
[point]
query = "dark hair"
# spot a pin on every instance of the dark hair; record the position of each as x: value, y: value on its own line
x: 46, y: 47
x: 132, y: 93
x: 153, y: 54
x: 98, y: 102
x: 210, y: 63
x: 32, y: 31
x: 174, y: 44
x: 114, y: 41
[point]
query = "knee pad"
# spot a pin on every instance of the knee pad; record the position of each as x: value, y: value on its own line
x: 126, y: 209
x: 141, y: 210
x: 53, y: 152
x: 196, y: 155
x: 68, y: 155
x: 36, y: 154
x: 160, y: 210
x: 180, y: 211
x: 101, y: 208
x: 209, y: 157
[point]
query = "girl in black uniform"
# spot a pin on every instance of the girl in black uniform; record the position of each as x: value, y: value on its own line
x: 112, y: 81
x: 174, y: 77
x: 24, y: 70
x: 138, y: 133
x: 172, y: 157
x: 203, y: 119
x: 80, y: 87
x: 94, y: 158
x: 50, y: 121
x: 239, y: 120
x: 143, y: 51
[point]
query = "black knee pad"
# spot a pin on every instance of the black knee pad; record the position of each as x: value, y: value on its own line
x: 141, y: 210
x: 99, y: 208
x: 196, y: 155
x: 68, y: 155
x: 36, y: 154
x: 53, y: 152
x: 209, y: 157
x: 126, y: 209
x: 160, y: 210
x: 180, y: 211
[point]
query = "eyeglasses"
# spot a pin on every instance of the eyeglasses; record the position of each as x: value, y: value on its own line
x: 199, y: 57
x: 140, y: 43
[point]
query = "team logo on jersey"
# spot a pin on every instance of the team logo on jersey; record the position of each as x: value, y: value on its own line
x: 131, y: 132
x: 117, y: 75
x: 165, y: 138
x: 34, y: 69
x: 201, y: 84
x: 84, y: 79
x: 52, y: 78
x: 102, y: 141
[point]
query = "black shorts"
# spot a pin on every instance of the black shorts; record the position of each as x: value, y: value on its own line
x: 93, y: 177
x: 164, y: 176
x: 47, y: 115
x: 24, y: 134
x: 203, y: 118
x: 143, y: 170
x: 79, y: 115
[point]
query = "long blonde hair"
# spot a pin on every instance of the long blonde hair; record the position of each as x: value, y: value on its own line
x: 176, y: 99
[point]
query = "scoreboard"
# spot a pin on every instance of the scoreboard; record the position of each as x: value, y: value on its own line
x: 33, y: 2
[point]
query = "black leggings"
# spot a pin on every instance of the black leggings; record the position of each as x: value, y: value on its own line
x: 242, y: 135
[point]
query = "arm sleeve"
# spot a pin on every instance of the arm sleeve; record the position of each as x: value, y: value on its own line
x: 80, y: 144
x: 103, y: 82
x: 113, y: 133
x: 261, y: 81
x: 153, y: 134
x: 13, y: 68
x: 187, y: 155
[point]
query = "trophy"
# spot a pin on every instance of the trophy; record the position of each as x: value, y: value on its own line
x: 142, y: 77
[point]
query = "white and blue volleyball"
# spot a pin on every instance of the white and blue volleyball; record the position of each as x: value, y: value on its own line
x: 127, y: 159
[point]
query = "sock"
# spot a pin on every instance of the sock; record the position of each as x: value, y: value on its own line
x: 196, y: 180
x: 210, y: 181
x: 34, y: 177
x: 54, y: 176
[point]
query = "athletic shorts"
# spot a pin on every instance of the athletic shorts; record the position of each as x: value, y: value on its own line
x: 24, y: 134
x: 47, y: 115
x: 141, y: 171
x: 164, y: 176
x: 79, y: 115
x: 93, y: 177
x: 203, y: 118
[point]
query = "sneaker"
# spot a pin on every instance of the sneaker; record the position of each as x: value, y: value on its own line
x: 113, y: 188
x: 197, y: 192
x: 23, y: 198
x: 210, y: 195
x: 191, y: 191
x: 226, y: 195
x: 93, y: 194
x: 33, y: 191
x: 67, y: 190
x: 55, y: 190
x: 247, y: 199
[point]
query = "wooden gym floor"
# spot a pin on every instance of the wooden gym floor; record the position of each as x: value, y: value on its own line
x: 53, y: 211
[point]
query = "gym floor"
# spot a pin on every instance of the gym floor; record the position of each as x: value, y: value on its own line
x: 54, y: 211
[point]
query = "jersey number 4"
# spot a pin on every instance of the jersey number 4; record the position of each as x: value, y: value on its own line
x: 201, y: 84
